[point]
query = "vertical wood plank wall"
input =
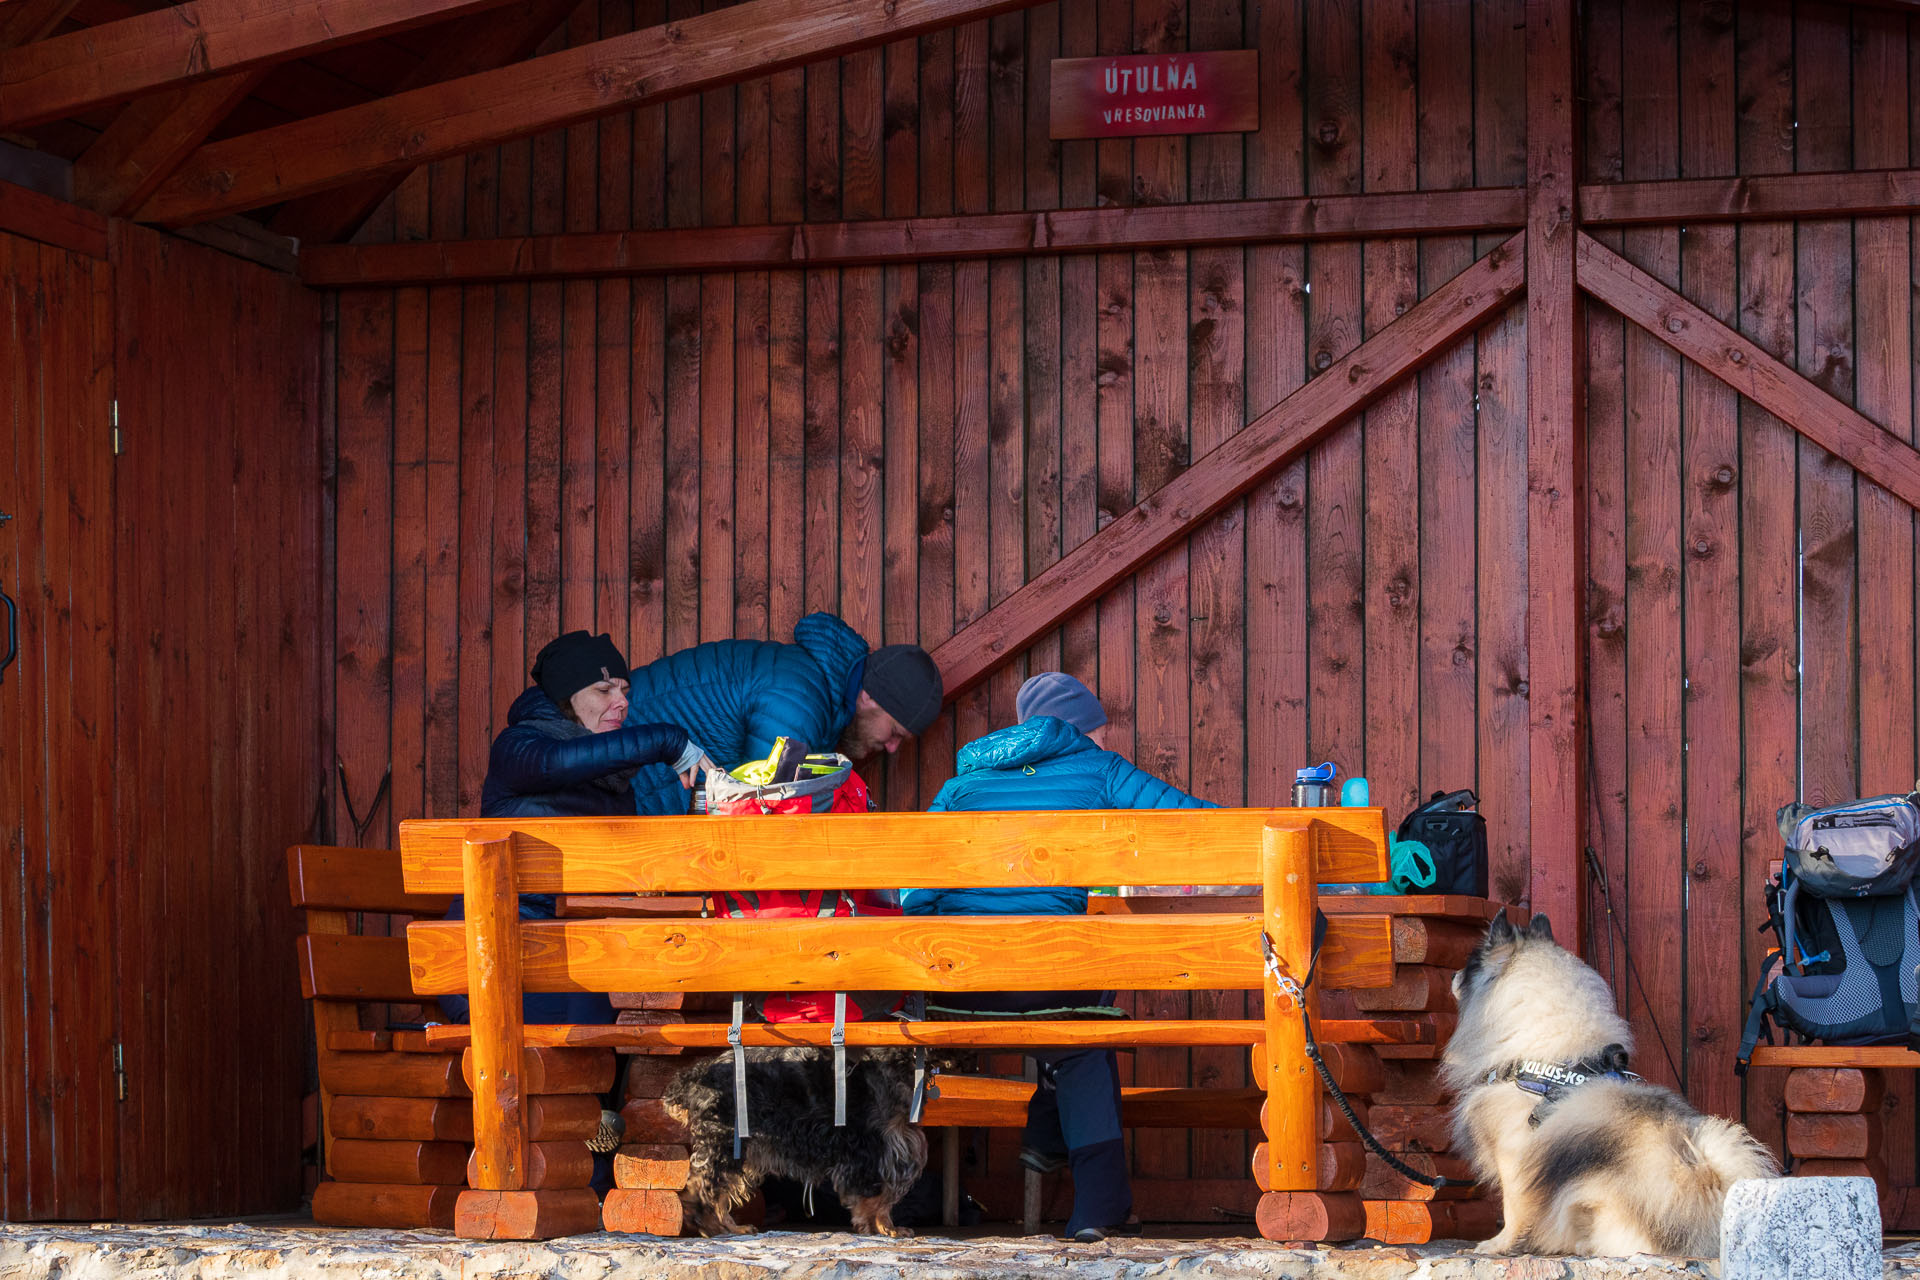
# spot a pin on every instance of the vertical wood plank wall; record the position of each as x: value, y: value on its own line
x: 219, y: 661
x: 685, y: 458
x: 57, y: 858
x: 160, y: 737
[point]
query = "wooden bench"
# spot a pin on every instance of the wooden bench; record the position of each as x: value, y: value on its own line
x: 1309, y: 1178
x: 396, y: 1119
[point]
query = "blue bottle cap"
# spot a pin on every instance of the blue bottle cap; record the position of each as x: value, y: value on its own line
x: 1322, y: 773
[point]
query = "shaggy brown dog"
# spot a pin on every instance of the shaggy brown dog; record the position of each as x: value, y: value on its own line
x: 869, y: 1163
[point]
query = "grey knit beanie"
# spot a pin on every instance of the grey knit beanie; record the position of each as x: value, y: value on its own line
x: 1055, y: 693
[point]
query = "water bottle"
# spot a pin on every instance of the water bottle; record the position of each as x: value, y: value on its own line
x: 1313, y: 785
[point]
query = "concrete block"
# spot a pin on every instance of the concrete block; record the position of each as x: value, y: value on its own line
x: 1801, y: 1229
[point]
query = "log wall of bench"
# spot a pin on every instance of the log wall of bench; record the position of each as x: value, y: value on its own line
x: 396, y: 1116
x: 397, y: 1127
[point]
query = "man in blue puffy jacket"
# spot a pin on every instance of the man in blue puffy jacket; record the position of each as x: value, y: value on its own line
x: 734, y: 697
x: 1053, y: 759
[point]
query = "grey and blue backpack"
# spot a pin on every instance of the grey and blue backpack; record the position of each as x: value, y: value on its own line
x: 1847, y: 922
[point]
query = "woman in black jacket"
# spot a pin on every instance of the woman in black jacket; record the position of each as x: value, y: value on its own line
x: 565, y: 754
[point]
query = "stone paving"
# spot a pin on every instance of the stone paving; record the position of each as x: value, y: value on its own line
x: 106, y: 1252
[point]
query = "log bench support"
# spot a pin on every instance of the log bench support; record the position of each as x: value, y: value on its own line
x: 504, y: 1201
x: 1294, y: 1206
x: 1834, y: 1124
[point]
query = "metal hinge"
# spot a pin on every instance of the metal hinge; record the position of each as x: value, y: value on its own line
x: 119, y: 446
x: 120, y: 1071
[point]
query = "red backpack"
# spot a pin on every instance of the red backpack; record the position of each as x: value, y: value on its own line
x: 792, y: 781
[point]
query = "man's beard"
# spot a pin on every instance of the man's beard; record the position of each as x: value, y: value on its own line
x: 859, y: 741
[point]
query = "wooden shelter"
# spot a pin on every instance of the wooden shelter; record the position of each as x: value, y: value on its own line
x: 1527, y: 404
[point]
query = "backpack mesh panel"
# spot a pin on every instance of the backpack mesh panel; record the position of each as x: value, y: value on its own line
x: 1879, y: 937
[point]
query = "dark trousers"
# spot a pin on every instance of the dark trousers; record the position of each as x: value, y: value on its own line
x: 1075, y: 1111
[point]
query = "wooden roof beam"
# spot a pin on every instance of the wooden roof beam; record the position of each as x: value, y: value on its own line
x: 197, y: 40
x: 151, y: 138
x: 1270, y: 441
x: 1748, y: 368
x: 479, y: 43
x: 1858, y: 193
x: 27, y: 213
x: 828, y: 244
x: 25, y: 21
x: 583, y: 83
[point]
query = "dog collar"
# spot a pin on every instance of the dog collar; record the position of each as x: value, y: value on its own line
x: 1551, y: 1080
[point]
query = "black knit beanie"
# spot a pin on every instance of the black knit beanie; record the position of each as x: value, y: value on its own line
x: 575, y: 660
x: 906, y: 684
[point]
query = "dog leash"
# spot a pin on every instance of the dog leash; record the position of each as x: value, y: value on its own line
x: 1296, y: 991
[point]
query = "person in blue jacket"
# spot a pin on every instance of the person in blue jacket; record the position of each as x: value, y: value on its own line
x: 825, y: 689
x: 567, y: 753
x: 1053, y: 759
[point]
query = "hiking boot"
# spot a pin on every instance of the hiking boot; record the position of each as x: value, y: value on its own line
x: 1094, y: 1235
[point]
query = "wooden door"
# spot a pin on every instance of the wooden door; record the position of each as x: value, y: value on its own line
x: 59, y: 1090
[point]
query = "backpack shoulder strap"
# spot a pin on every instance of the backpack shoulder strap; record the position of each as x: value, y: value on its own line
x: 1756, y: 1018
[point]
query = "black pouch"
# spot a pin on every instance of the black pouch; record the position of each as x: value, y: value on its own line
x: 1457, y: 836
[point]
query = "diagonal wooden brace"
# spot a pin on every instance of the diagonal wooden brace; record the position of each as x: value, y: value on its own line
x: 1269, y: 442
x: 1748, y: 368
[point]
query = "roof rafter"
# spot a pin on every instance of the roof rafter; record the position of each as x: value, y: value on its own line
x: 151, y: 138
x: 26, y: 21
x: 583, y: 83
x: 194, y: 41
x: 479, y: 43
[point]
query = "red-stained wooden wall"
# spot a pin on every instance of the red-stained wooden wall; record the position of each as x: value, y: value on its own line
x: 57, y: 1018
x: 160, y: 739
x: 1751, y: 607
x: 694, y: 457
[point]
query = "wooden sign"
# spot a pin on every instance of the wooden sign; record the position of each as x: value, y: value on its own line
x: 1217, y: 92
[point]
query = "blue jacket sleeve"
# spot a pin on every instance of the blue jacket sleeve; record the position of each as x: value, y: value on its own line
x: 527, y: 762
x: 1131, y: 787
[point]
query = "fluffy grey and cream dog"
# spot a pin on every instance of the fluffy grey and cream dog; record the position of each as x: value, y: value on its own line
x: 869, y: 1163
x: 1589, y: 1158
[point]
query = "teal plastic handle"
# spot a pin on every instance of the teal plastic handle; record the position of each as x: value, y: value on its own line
x: 1412, y: 863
